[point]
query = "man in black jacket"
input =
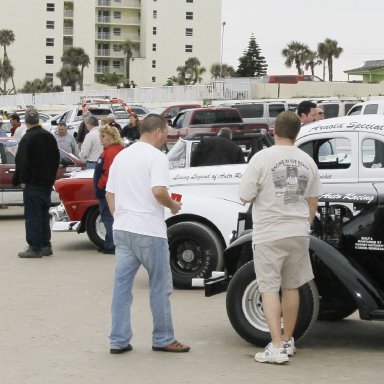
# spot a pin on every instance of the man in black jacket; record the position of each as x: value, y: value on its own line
x: 37, y: 161
x: 217, y: 150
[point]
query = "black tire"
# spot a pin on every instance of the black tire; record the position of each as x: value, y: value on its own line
x: 195, y: 251
x: 95, y: 228
x: 245, y: 310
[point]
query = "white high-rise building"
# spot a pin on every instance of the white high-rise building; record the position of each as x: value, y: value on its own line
x: 165, y: 34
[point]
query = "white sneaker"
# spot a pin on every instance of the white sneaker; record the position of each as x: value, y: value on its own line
x: 272, y: 354
x: 290, y: 346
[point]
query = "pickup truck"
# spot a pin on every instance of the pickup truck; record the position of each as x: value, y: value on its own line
x: 347, y: 240
x: 205, y: 120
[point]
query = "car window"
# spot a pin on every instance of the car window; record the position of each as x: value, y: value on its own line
x: 177, y: 156
x: 356, y: 110
x: 8, y: 152
x: 275, y: 109
x: 332, y: 153
x: 330, y: 110
x: 227, y: 116
x: 371, y: 109
x: 347, y: 107
x: 372, y: 153
x: 250, y: 110
x: 179, y: 122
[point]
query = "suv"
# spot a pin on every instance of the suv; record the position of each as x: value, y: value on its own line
x: 336, y: 108
x: 372, y: 107
x: 347, y: 241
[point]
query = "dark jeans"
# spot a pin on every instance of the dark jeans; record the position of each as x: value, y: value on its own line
x: 107, y: 220
x: 37, y: 201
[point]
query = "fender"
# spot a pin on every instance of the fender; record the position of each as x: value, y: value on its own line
x: 366, y: 296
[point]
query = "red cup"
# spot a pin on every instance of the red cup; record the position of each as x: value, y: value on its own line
x: 176, y: 197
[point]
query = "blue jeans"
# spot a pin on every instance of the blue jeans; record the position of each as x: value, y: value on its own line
x: 37, y: 201
x: 133, y: 250
x: 107, y: 220
x: 90, y: 165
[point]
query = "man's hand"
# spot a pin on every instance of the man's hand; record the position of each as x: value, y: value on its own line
x: 162, y: 196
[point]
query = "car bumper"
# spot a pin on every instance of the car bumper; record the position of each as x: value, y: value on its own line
x: 214, y: 285
x: 60, y: 221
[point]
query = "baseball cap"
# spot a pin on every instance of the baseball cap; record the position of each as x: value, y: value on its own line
x: 31, y: 116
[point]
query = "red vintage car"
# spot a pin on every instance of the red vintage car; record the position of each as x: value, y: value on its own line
x: 10, y: 195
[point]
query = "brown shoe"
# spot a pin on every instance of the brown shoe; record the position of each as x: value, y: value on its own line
x: 175, y: 346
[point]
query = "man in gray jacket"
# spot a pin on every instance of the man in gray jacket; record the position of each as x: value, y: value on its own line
x: 65, y: 140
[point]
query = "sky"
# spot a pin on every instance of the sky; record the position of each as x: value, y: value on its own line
x: 357, y: 26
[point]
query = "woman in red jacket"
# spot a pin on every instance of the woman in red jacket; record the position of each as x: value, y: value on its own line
x: 112, y: 142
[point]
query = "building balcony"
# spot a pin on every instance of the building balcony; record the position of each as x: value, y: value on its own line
x: 109, y: 69
x: 68, y: 31
x: 67, y: 46
x: 122, y: 20
x: 110, y: 53
x: 68, y: 14
x: 108, y: 36
x: 119, y: 4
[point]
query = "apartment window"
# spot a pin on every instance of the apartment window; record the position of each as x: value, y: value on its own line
x: 189, y: 15
x: 154, y: 31
x: 153, y: 79
x: 188, y: 31
x: 48, y: 59
x: 50, y: 7
x: 117, y: 31
x: 155, y: 14
x: 189, y: 1
x: 50, y: 24
x: 49, y: 77
x: 188, y: 48
x: 49, y: 41
x: 153, y: 63
x: 116, y: 64
x: 116, y: 47
x: 154, y: 47
x: 117, y: 14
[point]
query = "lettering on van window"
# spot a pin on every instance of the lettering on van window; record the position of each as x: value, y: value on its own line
x: 207, y: 177
x: 367, y: 243
x: 351, y: 197
x: 352, y: 125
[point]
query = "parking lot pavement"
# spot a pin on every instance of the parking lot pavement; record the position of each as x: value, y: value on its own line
x: 55, y: 320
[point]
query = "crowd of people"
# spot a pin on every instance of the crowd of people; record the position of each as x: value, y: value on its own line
x: 131, y: 185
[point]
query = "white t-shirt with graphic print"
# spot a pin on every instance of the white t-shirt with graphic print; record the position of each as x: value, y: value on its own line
x: 279, y: 179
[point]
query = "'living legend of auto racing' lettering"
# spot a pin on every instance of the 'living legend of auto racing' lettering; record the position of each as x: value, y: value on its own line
x: 350, y: 197
x: 208, y: 177
x: 290, y: 178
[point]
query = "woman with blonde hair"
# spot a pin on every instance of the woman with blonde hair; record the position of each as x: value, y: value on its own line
x: 112, y: 142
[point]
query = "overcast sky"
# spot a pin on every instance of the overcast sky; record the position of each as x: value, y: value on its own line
x: 357, y: 26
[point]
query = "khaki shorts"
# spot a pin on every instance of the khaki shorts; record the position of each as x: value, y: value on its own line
x: 282, y: 263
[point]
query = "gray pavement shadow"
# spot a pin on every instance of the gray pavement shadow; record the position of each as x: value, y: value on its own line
x: 351, y: 332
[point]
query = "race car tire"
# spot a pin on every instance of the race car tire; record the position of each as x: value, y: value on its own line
x: 195, y: 251
x: 245, y: 309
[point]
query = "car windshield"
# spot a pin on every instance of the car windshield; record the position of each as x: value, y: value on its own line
x: 177, y: 156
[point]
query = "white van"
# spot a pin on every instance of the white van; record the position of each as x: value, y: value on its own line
x: 371, y: 107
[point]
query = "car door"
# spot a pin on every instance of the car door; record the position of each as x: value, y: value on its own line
x: 335, y: 154
x: 9, y: 193
x: 371, y: 159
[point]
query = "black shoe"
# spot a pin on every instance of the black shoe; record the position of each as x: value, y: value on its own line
x: 115, y: 351
x: 47, y: 251
x: 108, y: 251
x: 29, y: 253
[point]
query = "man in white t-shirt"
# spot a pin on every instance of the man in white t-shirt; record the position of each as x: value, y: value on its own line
x: 137, y: 192
x: 283, y: 183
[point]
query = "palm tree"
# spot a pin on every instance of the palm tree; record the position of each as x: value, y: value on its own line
x: 7, y: 72
x: 295, y: 53
x: 311, y: 60
x: 7, y: 37
x: 128, y: 47
x: 224, y: 70
x: 76, y: 57
x: 327, y: 51
x: 193, y: 71
x: 69, y: 76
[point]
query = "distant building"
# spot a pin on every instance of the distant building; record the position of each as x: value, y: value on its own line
x: 372, y: 71
x: 167, y: 33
